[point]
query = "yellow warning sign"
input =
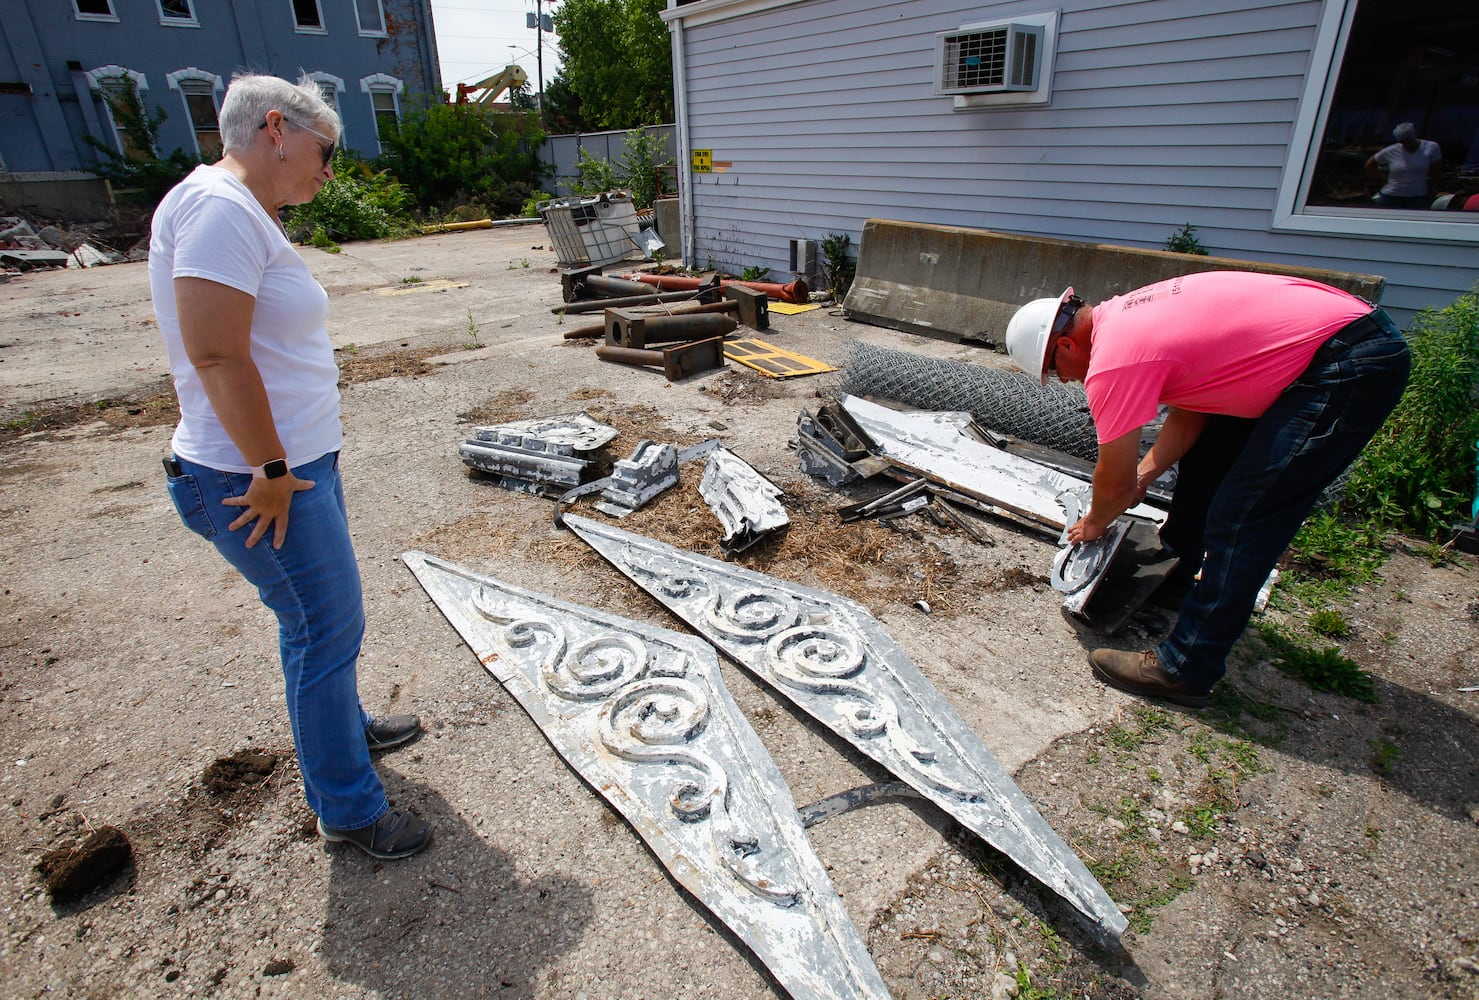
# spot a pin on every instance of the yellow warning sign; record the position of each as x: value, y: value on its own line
x: 702, y: 161
x: 768, y: 359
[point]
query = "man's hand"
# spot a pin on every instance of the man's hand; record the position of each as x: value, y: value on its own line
x: 267, y: 501
x: 1084, y: 530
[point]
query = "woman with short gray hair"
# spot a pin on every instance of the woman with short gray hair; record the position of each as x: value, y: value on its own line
x: 244, y: 322
x: 252, y: 95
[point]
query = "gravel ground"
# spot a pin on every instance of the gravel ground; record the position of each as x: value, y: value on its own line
x: 1284, y: 843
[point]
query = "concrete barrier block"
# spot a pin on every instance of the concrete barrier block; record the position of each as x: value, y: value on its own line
x: 966, y: 283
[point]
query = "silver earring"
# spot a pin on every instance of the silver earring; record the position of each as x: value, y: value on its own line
x: 280, y: 154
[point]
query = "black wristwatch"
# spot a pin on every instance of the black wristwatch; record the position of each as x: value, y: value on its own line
x: 275, y: 469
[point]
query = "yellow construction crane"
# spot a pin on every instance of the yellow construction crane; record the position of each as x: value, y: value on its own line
x: 508, y: 79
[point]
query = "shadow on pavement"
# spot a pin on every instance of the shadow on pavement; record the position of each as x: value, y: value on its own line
x: 456, y: 920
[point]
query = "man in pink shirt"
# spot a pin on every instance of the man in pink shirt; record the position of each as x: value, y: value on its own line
x: 1274, y: 385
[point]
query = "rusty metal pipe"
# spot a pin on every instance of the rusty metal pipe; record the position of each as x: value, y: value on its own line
x: 596, y: 305
x: 678, y: 361
x: 605, y: 285
x: 686, y: 326
x: 795, y: 292
x: 590, y: 332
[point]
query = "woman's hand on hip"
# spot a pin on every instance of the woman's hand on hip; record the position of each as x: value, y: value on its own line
x: 267, y: 501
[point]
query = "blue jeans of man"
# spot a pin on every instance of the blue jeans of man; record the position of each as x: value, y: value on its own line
x: 312, y: 584
x: 1257, y: 493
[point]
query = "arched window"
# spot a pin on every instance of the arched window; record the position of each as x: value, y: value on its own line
x: 329, y: 88
x: 198, y: 89
x: 121, y: 92
x: 385, y: 100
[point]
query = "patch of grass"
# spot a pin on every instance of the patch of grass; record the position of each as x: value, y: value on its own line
x: 1117, y: 875
x: 1144, y: 914
x: 1384, y: 754
x: 411, y: 280
x: 1330, y: 622
x: 1322, y: 669
x: 1201, y: 745
x: 1027, y: 991
x: 472, y: 342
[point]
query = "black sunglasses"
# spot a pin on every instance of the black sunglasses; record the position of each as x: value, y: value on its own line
x: 326, y: 151
x: 1066, y: 312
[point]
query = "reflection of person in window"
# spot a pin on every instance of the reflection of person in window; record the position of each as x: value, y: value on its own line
x: 1408, y: 164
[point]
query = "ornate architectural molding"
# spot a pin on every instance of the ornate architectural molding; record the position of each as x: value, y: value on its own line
x: 642, y: 714
x: 831, y: 657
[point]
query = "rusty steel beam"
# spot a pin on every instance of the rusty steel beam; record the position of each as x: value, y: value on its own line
x: 631, y: 329
x: 679, y: 361
x: 795, y: 292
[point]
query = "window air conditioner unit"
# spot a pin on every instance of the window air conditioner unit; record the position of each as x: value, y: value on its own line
x: 988, y: 60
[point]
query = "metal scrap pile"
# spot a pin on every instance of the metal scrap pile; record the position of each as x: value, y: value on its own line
x: 554, y: 457
x: 947, y: 455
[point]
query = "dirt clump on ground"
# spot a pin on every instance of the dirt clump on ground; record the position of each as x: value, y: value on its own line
x: 243, y: 769
x: 73, y: 871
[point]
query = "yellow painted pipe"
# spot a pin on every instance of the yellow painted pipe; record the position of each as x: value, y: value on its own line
x: 458, y: 227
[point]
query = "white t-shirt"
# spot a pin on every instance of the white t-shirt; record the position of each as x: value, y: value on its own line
x: 1407, y: 173
x: 210, y: 226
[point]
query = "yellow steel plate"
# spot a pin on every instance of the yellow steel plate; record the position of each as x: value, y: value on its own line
x: 768, y: 359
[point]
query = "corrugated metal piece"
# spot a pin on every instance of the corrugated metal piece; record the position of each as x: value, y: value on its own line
x: 832, y: 658
x: 746, y: 503
x: 642, y: 714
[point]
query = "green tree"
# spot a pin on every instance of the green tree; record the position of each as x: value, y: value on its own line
x: 140, y: 168
x: 456, y: 154
x: 562, y: 110
x: 617, y: 59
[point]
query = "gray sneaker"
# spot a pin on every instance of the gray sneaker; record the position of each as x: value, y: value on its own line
x: 397, y: 834
x: 386, y: 731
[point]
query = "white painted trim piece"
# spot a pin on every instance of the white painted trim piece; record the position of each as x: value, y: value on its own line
x: 307, y: 29
x: 1325, y: 59
x: 380, y: 81
x: 685, y: 157
x: 102, y: 18
x: 712, y: 11
x: 318, y: 76
x: 371, y: 32
x: 192, y: 73
x: 193, y: 21
x: 96, y: 76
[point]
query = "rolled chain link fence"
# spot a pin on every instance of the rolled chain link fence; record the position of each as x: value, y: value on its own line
x: 1055, y: 415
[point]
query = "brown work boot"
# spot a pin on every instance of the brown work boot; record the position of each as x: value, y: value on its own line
x: 1142, y: 674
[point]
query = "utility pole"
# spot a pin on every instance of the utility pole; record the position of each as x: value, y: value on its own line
x: 539, y: 54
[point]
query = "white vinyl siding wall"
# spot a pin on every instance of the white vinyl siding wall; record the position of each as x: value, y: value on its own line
x: 1163, y: 113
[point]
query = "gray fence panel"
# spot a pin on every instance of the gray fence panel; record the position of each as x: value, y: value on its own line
x: 561, y: 153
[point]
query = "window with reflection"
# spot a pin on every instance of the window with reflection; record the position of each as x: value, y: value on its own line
x: 1401, y: 127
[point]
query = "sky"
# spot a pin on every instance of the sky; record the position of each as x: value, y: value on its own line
x: 474, y: 39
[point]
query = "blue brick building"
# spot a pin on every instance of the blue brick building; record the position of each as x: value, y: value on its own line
x: 63, y: 63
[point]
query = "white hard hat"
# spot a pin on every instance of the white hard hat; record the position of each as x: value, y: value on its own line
x: 1029, y: 334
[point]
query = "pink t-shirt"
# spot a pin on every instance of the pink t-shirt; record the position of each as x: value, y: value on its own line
x: 1225, y: 342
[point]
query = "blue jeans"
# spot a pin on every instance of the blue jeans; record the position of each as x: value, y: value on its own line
x: 312, y: 584
x: 1257, y: 494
